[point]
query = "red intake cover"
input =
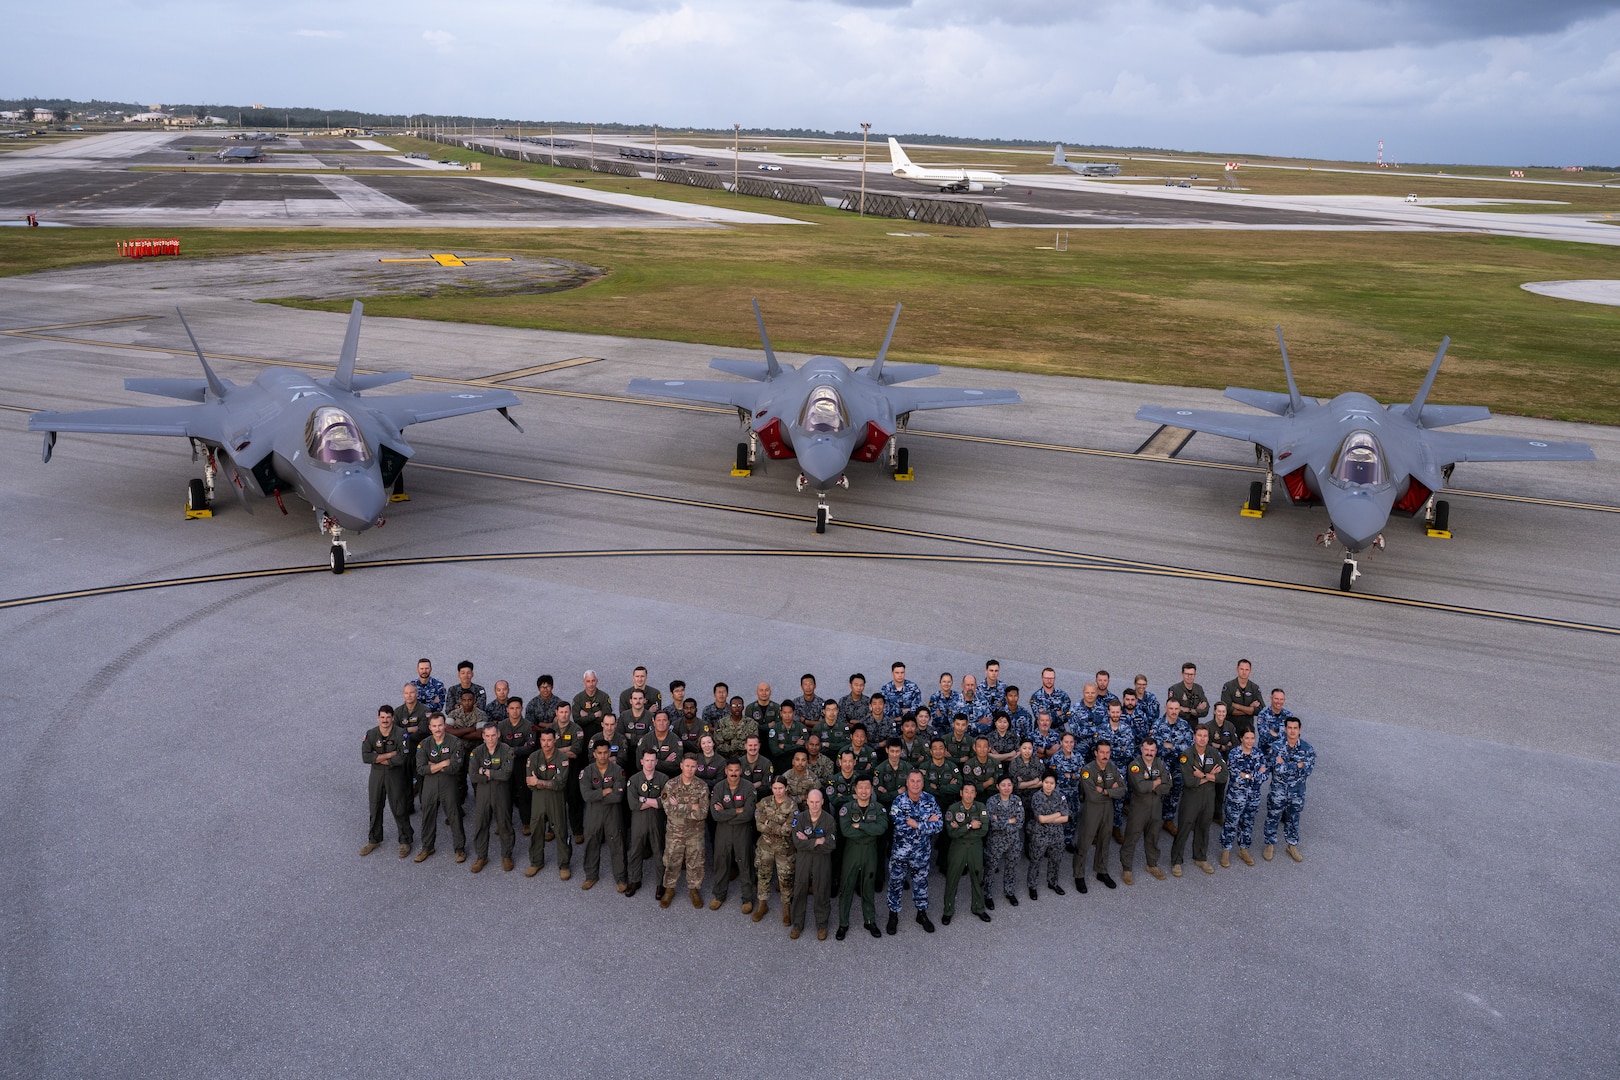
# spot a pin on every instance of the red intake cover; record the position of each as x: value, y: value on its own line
x: 770, y: 439
x: 876, y: 440
x: 1298, y: 490
x: 1417, y: 493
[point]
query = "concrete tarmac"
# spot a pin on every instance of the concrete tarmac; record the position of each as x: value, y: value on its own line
x: 186, y: 797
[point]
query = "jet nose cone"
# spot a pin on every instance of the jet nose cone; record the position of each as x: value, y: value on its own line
x: 1358, y: 520
x: 356, y: 499
x: 822, y: 461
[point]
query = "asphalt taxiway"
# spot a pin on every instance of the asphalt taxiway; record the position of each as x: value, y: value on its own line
x: 186, y: 796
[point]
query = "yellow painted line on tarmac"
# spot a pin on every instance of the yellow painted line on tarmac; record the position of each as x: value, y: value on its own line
x: 541, y: 369
x: 796, y: 553
x: 625, y: 399
x: 74, y: 325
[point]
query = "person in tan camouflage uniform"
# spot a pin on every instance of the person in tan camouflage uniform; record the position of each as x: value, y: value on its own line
x: 686, y: 808
x: 774, y: 850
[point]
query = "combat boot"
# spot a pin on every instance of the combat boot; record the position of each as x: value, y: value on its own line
x: 404, y: 850
x: 747, y: 907
x: 1125, y: 876
x: 507, y: 864
x: 531, y: 871
x: 1175, y: 870
x: 697, y: 897
x: 760, y: 910
x: 479, y: 864
x: 1170, y: 827
x: 793, y: 934
x: 1226, y: 859
x: 1267, y: 852
x: 564, y: 874
x: 1243, y: 853
x: 422, y: 856
x: 666, y: 897
x: 1293, y: 853
x: 1156, y: 872
x: 1204, y: 866
x: 787, y: 913
x: 894, y: 923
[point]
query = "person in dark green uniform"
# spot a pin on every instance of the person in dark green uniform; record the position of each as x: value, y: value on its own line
x: 438, y: 763
x: 384, y: 750
x: 490, y: 769
x: 968, y: 823
x: 862, y: 821
x: 546, y: 774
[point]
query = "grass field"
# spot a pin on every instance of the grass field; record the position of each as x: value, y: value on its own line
x: 1362, y: 311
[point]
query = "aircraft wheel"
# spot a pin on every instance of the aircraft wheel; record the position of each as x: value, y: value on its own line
x: 1345, y: 573
x: 337, y: 559
x: 821, y: 519
x: 197, y: 496
x: 903, y: 459
x: 1442, y: 516
x: 1256, y: 492
x: 742, y: 455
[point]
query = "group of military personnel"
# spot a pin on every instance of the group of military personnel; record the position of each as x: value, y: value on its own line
x: 844, y: 796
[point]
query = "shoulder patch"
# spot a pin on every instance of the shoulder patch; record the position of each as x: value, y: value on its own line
x: 1085, y: 774
x: 1135, y: 768
x: 1183, y: 757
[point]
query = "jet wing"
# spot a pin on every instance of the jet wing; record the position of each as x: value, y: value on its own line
x: 403, y: 410
x: 904, y: 399
x: 198, y: 421
x: 1449, y: 447
x: 738, y: 395
x: 1267, y: 431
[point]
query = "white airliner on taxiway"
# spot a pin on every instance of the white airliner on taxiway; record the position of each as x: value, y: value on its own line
x: 942, y: 179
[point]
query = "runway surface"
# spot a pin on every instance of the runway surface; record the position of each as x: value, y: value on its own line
x: 182, y: 886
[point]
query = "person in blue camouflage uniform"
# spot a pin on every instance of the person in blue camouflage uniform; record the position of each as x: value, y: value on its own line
x: 1067, y: 765
x: 720, y: 707
x: 1175, y: 738
x: 1020, y: 718
x: 1046, y: 836
x: 993, y: 691
x: 1089, y: 714
x: 1269, y: 721
x: 1291, y: 761
x: 1104, y: 695
x: 943, y: 704
x: 1046, y: 736
x: 1132, y: 713
x: 1121, y: 737
x: 1247, y: 772
x: 429, y: 691
x: 900, y: 694
x: 977, y: 709
x: 1006, y: 841
x: 916, y: 819
x: 1052, y: 701
x: 1146, y: 701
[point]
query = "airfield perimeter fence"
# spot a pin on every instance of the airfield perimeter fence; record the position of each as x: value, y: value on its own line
x: 808, y: 194
x: 690, y: 177
x: 967, y: 215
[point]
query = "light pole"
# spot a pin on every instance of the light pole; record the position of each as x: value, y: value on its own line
x: 736, y: 141
x: 593, y: 162
x: 866, y: 129
x: 655, y: 152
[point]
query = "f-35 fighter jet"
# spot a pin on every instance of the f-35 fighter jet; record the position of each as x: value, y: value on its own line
x: 288, y: 431
x: 1362, y: 460
x: 823, y: 413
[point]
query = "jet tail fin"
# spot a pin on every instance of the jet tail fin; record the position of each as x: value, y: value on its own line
x: 344, y: 379
x: 1295, y: 402
x: 897, y: 156
x: 215, y: 387
x: 1057, y: 155
x: 876, y: 370
x: 1414, y: 411
x: 772, y: 368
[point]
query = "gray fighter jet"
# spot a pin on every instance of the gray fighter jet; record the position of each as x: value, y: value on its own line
x: 823, y: 413
x: 1361, y: 460
x: 288, y: 431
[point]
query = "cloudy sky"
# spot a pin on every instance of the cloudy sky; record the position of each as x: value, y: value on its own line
x: 1488, y: 81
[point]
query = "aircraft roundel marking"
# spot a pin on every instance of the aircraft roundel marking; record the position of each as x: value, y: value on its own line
x: 469, y: 397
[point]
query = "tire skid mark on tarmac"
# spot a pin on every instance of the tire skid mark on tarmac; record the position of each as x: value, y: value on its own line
x: 625, y: 399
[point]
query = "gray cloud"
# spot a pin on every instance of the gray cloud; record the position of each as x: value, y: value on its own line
x: 1260, y: 27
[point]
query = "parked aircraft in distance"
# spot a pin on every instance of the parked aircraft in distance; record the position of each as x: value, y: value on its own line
x: 1084, y: 168
x: 953, y: 180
